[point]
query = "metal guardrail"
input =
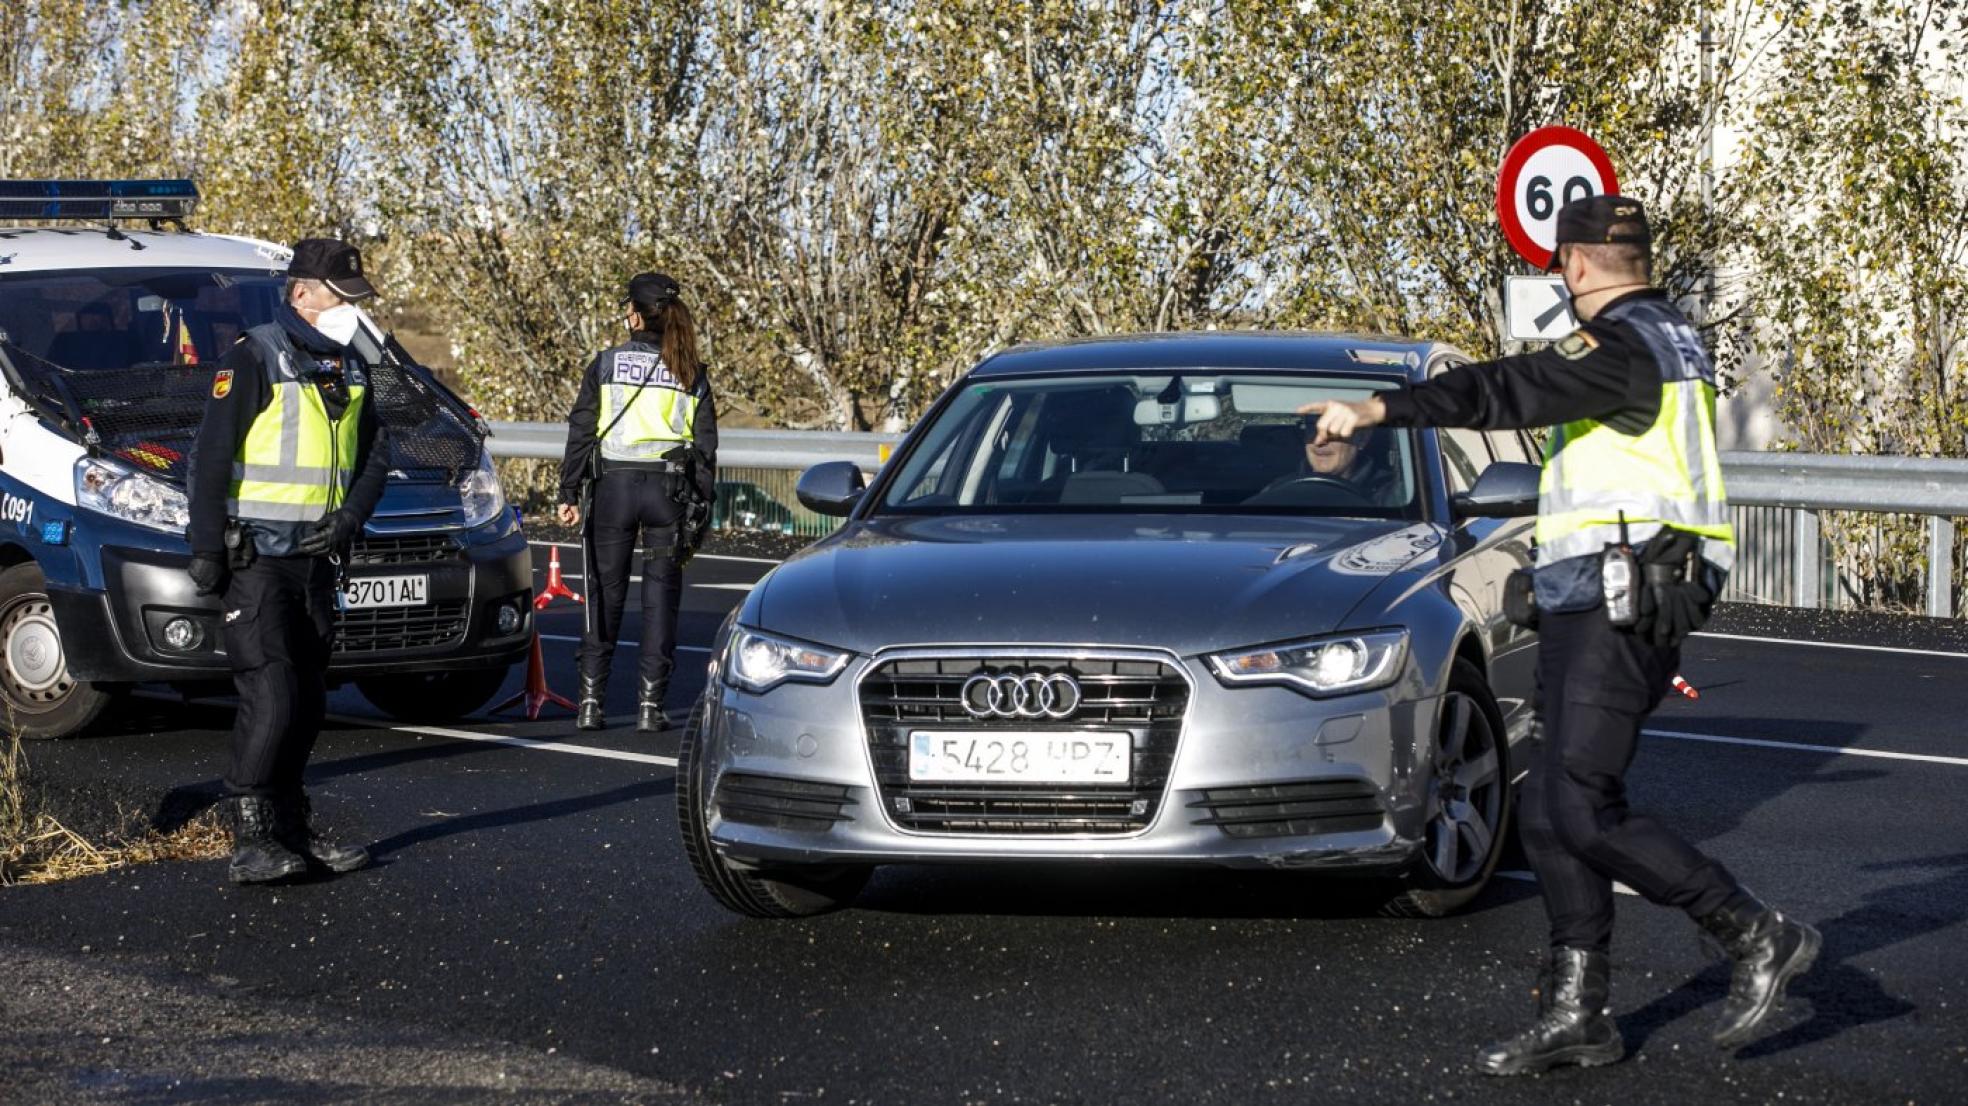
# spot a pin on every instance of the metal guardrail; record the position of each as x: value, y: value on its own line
x: 764, y: 449
x: 1777, y: 498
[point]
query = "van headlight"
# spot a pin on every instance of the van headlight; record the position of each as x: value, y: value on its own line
x: 1320, y: 666
x: 131, y: 496
x: 481, y: 494
x: 760, y: 662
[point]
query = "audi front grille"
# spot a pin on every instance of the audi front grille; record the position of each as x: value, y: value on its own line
x: 1145, y: 698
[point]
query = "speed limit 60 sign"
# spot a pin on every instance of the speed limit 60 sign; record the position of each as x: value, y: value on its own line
x: 1545, y: 170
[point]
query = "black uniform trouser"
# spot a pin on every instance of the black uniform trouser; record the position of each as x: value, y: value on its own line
x: 279, y: 622
x: 625, y: 502
x: 1596, y: 686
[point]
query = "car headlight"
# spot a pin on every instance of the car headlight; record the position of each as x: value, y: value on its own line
x: 760, y: 662
x: 1320, y: 666
x: 131, y: 496
x: 481, y: 494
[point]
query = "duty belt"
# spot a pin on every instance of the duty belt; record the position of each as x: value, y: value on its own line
x: 669, y: 467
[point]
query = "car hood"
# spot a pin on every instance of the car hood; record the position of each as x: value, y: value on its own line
x: 1191, y: 585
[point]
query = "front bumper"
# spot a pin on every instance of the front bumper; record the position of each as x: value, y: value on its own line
x: 116, y: 634
x: 1262, y: 777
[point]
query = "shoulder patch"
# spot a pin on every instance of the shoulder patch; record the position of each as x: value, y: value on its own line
x: 1576, y: 345
x: 221, y: 383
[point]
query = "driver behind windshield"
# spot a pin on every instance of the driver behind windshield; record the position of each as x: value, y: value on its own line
x: 1360, y: 462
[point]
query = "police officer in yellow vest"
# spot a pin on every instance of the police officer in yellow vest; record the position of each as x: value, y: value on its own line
x: 288, y: 465
x: 641, y: 450
x: 1630, y: 464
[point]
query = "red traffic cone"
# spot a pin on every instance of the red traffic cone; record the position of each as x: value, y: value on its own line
x: 1685, y: 688
x: 556, y: 586
x: 536, y: 693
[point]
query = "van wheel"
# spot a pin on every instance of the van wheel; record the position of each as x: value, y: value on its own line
x: 432, y: 696
x: 39, y: 697
x: 1469, y: 807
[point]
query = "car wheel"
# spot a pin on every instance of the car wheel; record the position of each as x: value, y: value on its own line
x: 39, y: 696
x: 1469, y: 802
x: 432, y: 696
x: 779, y: 892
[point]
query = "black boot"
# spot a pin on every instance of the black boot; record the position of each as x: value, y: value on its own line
x: 1769, y: 950
x: 649, y: 715
x: 296, y: 831
x: 257, y: 853
x: 1572, y: 1026
x: 594, y: 693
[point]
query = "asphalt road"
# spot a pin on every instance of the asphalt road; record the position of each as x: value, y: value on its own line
x: 533, y: 930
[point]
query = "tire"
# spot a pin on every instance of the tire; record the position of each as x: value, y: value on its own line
x: 40, y: 699
x: 780, y: 892
x: 1470, y: 803
x: 432, y: 696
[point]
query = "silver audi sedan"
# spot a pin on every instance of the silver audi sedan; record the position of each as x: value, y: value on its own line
x: 1108, y: 602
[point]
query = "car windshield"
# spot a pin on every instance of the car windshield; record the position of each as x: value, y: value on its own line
x: 132, y: 351
x: 1189, y: 442
x: 112, y: 319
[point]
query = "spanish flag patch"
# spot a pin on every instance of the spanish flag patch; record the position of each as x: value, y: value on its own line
x: 221, y: 383
x: 1576, y: 345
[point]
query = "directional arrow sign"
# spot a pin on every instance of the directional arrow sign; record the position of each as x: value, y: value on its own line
x: 1536, y: 309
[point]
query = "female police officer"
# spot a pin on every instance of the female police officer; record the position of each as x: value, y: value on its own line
x: 641, y: 445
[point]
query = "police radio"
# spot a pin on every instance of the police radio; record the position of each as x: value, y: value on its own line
x: 1618, y: 571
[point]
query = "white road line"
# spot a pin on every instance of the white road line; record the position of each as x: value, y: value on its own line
x: 699, y: 557
x: 1531, y: 877
x: 515, y: 742
x: 1831, y: 644
x: 620, y: 641
x: 638, y: 580
x: 1799, y: 747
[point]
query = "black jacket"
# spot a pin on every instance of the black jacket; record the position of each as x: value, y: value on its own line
x: 584, y: 429
x: 1602, y: 371
x: 229, y: 417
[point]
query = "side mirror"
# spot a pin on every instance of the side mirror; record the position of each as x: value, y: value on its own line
x: 1507, y: 489
x: 832, y: 488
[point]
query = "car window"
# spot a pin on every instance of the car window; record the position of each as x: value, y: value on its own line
x: 1160, y: 442
x: 1465, y: 455
x: 1508, y: 445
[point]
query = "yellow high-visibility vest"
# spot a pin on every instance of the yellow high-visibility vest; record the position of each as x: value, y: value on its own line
x: 645, y: 410
x: 1669, y: 474
x: 297, y: 462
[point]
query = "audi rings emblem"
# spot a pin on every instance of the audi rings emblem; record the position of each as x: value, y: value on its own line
x: 1021, y: 695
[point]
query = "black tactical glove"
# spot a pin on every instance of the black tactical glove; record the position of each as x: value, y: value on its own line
x: 333, y: 531
x: 209, y: 572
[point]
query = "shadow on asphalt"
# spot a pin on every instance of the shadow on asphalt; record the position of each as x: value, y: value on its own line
x: 1836, y: 995
x: 520, y: 815
x: 1078, y: 890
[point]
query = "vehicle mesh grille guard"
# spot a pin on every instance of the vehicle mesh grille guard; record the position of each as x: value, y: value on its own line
x: 1146, y: 698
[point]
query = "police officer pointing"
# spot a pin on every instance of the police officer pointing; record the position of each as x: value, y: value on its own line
x: 641, y: 453
x: 1633, y: 544
x: 288, y: 465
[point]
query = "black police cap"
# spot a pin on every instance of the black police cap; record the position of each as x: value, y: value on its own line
x: 652, y: 289
x: 1602, y: 219
x: 332, y: 262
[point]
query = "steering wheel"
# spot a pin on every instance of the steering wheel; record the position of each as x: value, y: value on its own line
x: 1283, y: 493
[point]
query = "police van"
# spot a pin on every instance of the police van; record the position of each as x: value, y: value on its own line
x: 113, y: 317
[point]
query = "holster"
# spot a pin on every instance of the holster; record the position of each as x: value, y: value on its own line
x: 240, y: 551
x: 693, y: 509
x: 1520, y: 605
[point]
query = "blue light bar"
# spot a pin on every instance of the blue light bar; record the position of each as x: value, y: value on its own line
x: 97, y: 200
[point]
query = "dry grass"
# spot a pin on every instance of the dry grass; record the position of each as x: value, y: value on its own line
x: 36, y: 848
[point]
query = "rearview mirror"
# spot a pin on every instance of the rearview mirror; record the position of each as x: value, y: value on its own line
x: 832, y: 488
x: 1507, y: 489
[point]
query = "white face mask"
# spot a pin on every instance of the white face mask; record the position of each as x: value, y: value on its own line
x: 339, y: 323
